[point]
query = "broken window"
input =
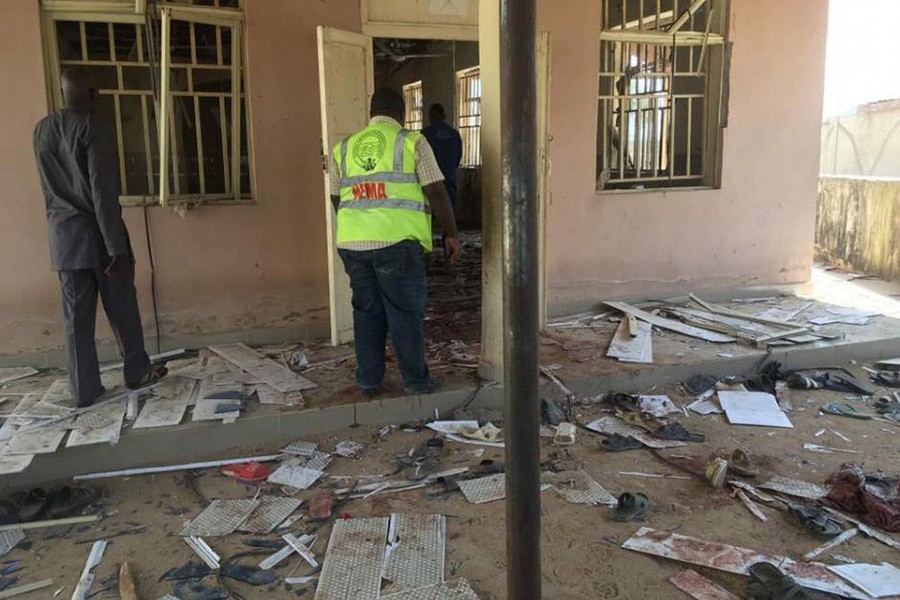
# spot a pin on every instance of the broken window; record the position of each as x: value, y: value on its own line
x: 468, y: 94
x: 413, y: 97
x: 205, y: 141
x: 662, y: 74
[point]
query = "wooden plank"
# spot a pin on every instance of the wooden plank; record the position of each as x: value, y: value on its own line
x: 275, y: 375
x: 632, y: 349
x: 669, y: 324
x: 127, y: 590
x: 24, y: 589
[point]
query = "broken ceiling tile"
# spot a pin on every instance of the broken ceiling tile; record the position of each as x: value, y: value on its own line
x: 577, y: 487
x: 270, y: 513
x: 880, y: 581
x: 9, y: 539
x: 485, y: 489
x: 416, y: 550
x: 220, y: 518
x: 270, y: 372
x: 100, y: 426
x: 8, y: 374
x: 451, y: 590
x: 794, y: 487
x: 612, y: 425
x: 354, y: 560
x: 166, y: 411
x: 637, y: 349
x: 318, y: 461
x: 295, y: 475
x: 307, y: 449
x: 349, y: 449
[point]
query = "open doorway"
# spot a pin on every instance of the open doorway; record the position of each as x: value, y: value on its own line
x: 446, y: 73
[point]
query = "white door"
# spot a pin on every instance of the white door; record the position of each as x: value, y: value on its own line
x: 346, y: 83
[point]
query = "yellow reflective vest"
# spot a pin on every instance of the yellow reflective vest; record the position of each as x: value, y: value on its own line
x: 381, y: 198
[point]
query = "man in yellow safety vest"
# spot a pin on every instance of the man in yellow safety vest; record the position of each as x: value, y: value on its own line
x: 385, y: 184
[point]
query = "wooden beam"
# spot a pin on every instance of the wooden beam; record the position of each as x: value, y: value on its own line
x: 127, y: 590
x: 662, y: 38
x: 686, y: 15
x: 721, y: 310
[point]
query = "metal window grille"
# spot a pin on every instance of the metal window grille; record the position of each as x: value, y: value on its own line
x: 468, y: 94
x: 115, y: 49
x: 653, y: 128
x: 414, y: 100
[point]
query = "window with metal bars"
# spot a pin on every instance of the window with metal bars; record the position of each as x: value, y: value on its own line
x: 662, y: 66
x: 468, y: 110
x: 116, y: 48
x: 414, y: 100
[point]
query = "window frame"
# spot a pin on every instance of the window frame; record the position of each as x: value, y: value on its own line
x: 415, y: 111
x: 470, y: 133
x: 132, y: 12
x: 653, y: 32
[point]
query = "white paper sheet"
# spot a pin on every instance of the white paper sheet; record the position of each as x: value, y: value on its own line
x: 753, y: 408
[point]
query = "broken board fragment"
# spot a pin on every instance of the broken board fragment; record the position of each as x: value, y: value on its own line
x: 14, y: 463
x: 220, y: 518
x: 8, y: 374
x: 880, y: 581
x: 451, y: 590
x: 101, y: 426
x: 699, y: 587
x: 671, y: 325
x: 273, y: 374
x: 354, y: 560
x: 578, y: 487
x: 270, y: 513
x: 416, y: 550
x: 632, y: 349
x: 612, y: 425
x: 168, y: 410
x: 295, y: 475
x: 794, y: 487
x: 733, y: 559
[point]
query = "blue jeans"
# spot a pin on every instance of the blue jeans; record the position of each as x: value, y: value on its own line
x: 388, y: 296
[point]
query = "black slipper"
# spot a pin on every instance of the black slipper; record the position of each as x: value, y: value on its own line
x: 631, y: 507
x: 816, y: 520
x: 677, y: 432
x: 70, y: 500
x: 768, y: 583
x: 30, y: 506
x: 620, y: 443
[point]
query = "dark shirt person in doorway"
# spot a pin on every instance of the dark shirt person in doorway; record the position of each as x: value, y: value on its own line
x: 447, y: 145
x: 89, y: 246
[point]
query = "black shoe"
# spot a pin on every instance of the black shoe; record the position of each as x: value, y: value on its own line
x: 153, y: 376
x: 433, y: 385
x: 370, y: 392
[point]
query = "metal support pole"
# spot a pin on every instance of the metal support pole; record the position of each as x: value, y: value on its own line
x: 521, y: 248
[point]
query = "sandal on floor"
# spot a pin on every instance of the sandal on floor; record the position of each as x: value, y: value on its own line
x: 620, y: 443
x: 631, y: 507
x: 843, y: 410
x: 742, y: 464
x: 153, y: 375
x: 676, y: 431
x: 30, y: 506
x: 70, y: 500
x: 816, y: 520
x: 768, y: 583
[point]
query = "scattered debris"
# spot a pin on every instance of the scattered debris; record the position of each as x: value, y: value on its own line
x: 794, y: 487
x: 269, y: 514
x: 295, y: 475
x: 24, y: 589
x: 204, y: 551
x: 632, y: 349
x: 631, y: 507
x: 349, y: 449
x: 733, y: 559
x: 565, y: 434
x: 827, y: 449
x: 416, y: 550
x: 577, y: 487
x: 354, y: 560
x: 183, y: 467
x: 873, y: 497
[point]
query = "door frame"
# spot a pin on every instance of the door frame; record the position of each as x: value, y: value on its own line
x: 469, y: 33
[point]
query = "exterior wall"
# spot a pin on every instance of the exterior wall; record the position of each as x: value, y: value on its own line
x: 756, y: 230
x: 865, y: 144
x: 857, y: 224
x: 219, y: 268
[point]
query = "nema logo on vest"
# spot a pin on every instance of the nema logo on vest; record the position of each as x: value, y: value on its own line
x: 369, y: 150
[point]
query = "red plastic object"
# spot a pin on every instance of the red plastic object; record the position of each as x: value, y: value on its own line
x: 252, y: 472
x: 321, y: 505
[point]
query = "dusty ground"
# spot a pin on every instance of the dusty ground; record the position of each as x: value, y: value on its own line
x: 582, y: 558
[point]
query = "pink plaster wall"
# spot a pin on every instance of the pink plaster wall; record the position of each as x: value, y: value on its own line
x: 758, y: 229
x: 220, y: 268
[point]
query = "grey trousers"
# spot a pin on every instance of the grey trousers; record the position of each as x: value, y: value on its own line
x: 79, y: 305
